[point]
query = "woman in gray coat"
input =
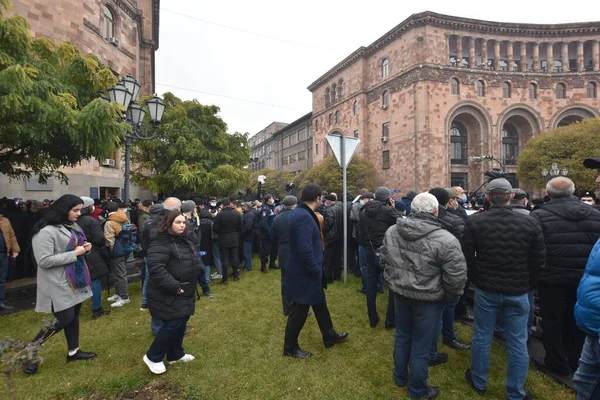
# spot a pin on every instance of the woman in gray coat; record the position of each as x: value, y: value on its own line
x: 63, y: 279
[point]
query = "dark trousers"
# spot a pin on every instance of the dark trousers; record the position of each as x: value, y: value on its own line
x: 563, y: 341
x: 230, y: 255
x: 373, y: 273
x: 169, y: 341
x: 3, y: 273
x: 266, y: 251
x: 353, y: 265
x: 287, y: 305
x: 297, y: 319
x: 67, y: 320
x: 333, y: 260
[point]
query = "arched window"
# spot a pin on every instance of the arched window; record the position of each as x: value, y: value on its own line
x: 341, y: 89
x: 506, y: 90
x: 458, y: 144
x: 385, y: 68
x: 108, y: 26
x: 330, y: 118
x: 561, y: 91
x: 510, y: 143
x: 385, y: 99
x: 480, y: 89
x: 333, y: 93
x: 454, y: 87
x: 327, y: 97
x: 590, y: 90
x: 337, y: 117
x: 532, y: 88
x: 355, y: 107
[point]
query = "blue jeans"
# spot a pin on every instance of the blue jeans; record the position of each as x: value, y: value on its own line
x: 500, y: 322
x: 587, y: 377
x: 362, y: 259
x: 145, y: 283
x: 96, y: 294
x: 217, y: 257
x: 444, y: 326
x: 248, y: 256
x: 168, y: 341
x: 203, y: 280
x: 414, y: 319
x: 514, y: 310
x: 3, y: 273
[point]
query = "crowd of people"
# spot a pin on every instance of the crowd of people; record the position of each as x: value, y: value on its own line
x: 427, y: 248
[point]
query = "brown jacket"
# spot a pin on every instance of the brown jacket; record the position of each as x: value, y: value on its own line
x: 12, y: 246
x: 112, y: 228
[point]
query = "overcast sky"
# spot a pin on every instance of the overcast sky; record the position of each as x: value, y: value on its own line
x: 255, y: 59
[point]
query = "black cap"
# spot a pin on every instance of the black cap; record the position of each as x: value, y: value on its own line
x: 441, y: 195
x: 593, y: 163
x: 588, y: 193
x: 330, y: 197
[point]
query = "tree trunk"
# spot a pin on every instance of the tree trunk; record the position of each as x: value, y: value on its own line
x: 11, y: 386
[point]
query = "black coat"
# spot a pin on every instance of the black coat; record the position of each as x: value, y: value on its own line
x: 206, y: 240
x: 504, y: 250
x: 570, y: 231
x: 173, y: 264
x: 248, y: 226
x: 375, y: 218
x: 333, y: 227
x: 228, y: 225
x: 459, y: 212
x: 99, y: 257
x: 280, y: 236
x: 455, y: 224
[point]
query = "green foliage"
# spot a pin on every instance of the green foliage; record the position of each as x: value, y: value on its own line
x: 50, y: 114
x: 361, y: 173
x: 192, y: 154
x: 567, y: 146
x: 275, y: 182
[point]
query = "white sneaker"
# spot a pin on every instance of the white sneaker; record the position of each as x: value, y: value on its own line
x: 114, y: 297
x: 185, y: 358
x: 155, y: 367
x: 120, y: 302
x: 217, y: 276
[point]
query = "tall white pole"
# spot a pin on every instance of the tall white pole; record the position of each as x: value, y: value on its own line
x: 345, y: 243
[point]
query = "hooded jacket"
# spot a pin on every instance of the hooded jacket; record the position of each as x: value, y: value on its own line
x: 333, y: 229
x: 570, y: 231
x: 374, y: 220
x: 98, y: 259
x: 587, y: 308
x: 112, y: 227
x: 422, y: 260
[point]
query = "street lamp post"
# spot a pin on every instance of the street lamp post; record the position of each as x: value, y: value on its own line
x: 126, y: 93
x: 554, y: 171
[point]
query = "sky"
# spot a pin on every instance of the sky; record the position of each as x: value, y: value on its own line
x: 255, y: 59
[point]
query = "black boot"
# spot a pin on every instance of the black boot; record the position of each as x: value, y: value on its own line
x: 296, y: 353
x: 99, y: 313
x: 263, y: 268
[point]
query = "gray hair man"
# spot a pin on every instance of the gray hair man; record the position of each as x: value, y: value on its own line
x: 425, y: 267
x: 504, y: 252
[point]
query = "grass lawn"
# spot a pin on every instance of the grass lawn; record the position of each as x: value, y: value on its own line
x: 238, y: 343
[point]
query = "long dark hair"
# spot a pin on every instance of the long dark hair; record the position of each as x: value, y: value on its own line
x: 164, y: 226
x: 58, y: 212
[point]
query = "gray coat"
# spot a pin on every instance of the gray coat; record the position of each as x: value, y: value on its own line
x: 53, y: 289
x: 422, y: 260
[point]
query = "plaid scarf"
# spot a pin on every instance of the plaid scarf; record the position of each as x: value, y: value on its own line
x: 77, y: 272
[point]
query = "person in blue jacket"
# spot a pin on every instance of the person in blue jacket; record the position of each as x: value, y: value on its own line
x: 304, y: 279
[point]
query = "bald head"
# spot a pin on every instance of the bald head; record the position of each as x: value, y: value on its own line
x: 560, y: 187
x: 172, y: 203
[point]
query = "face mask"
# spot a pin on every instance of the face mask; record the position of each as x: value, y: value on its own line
x: 213, y: 204
x: 362, y: 202
x: 588, y: 202
x: 463, y: 199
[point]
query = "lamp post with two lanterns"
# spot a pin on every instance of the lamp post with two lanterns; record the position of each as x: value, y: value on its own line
x: 126, y: 93
x: 554, y: 171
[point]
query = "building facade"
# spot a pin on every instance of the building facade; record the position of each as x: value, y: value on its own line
x: 123, y: 34
x: 287, y: 149
x: 437, y: 90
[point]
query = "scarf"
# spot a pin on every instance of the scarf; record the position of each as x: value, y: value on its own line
x: 77, y: 273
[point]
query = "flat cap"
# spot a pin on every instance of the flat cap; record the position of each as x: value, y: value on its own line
x: 289, y: 201
x: 499, y: 186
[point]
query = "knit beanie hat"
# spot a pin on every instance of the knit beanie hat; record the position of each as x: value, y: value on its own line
x: 188, y: 206
x: 383, y: 193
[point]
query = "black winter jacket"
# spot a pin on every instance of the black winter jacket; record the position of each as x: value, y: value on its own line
x: 375, y: 218
x: 454, y: 224
x: 148, y: 229
x: 570, y: 231
x: 333, y: 226
x: 228, y: 225
x: 99, y: 257
x: 504, y: 250
x: 459, y: 212
x: 173, y: 264
x: 206, y: 240
x: 248, y: 226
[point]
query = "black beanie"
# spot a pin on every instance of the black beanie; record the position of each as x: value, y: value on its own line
x: 441, y: 195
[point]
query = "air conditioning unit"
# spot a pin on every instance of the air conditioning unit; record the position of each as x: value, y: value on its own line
x: 384, y: 139
x: 109, y: 162
x: 114, y: 41
x: 384, y: 106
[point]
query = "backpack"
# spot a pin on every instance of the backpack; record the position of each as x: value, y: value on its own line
x: 125, y: 241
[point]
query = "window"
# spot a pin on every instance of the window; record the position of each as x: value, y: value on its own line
x: 330, y: 119
x: 385, y: 99
x: 337, y: 117
x: 108, y: 26
x: 302, y: 135
x: 293, y: 139
x: 356, y: 133
x: 355, y: 108
x: 480, y: 89
x: 532, y: 91
x: 590, y: 90
x: 511, y: 177
x: 292, y: 158
x: 459, y: 179
x: 316, y: 125
x: 385, y: 68
x: 385, y: 130
x: 284, y: 160
x: 286, y: 142
x: 561, y: 91
x: 386, y: 159
x: 327, y: 97
x: 341, y: 87
x: 317, y: 149
x: 301, y: 155
x: 510, y: 144
x: 506, y: 90
x: 333, y: 93
x: 309, y: 153
x: 454, y: 87
x: 458, y: 144
x: 558, y: 66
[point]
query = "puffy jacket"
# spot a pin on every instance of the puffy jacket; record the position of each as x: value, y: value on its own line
x: 148, y: 228
x: 570, y: 231
x: 98, y: 259
x: 456, y: 225
x: 248, y: 226
x: 173, y: 264
x: 333, y: 228
x: 504, y: 250
x: 422, y: 260
x: 587, y: 308
x: 459, y: 211
x: 228, y: 225
x: 375, y: 219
